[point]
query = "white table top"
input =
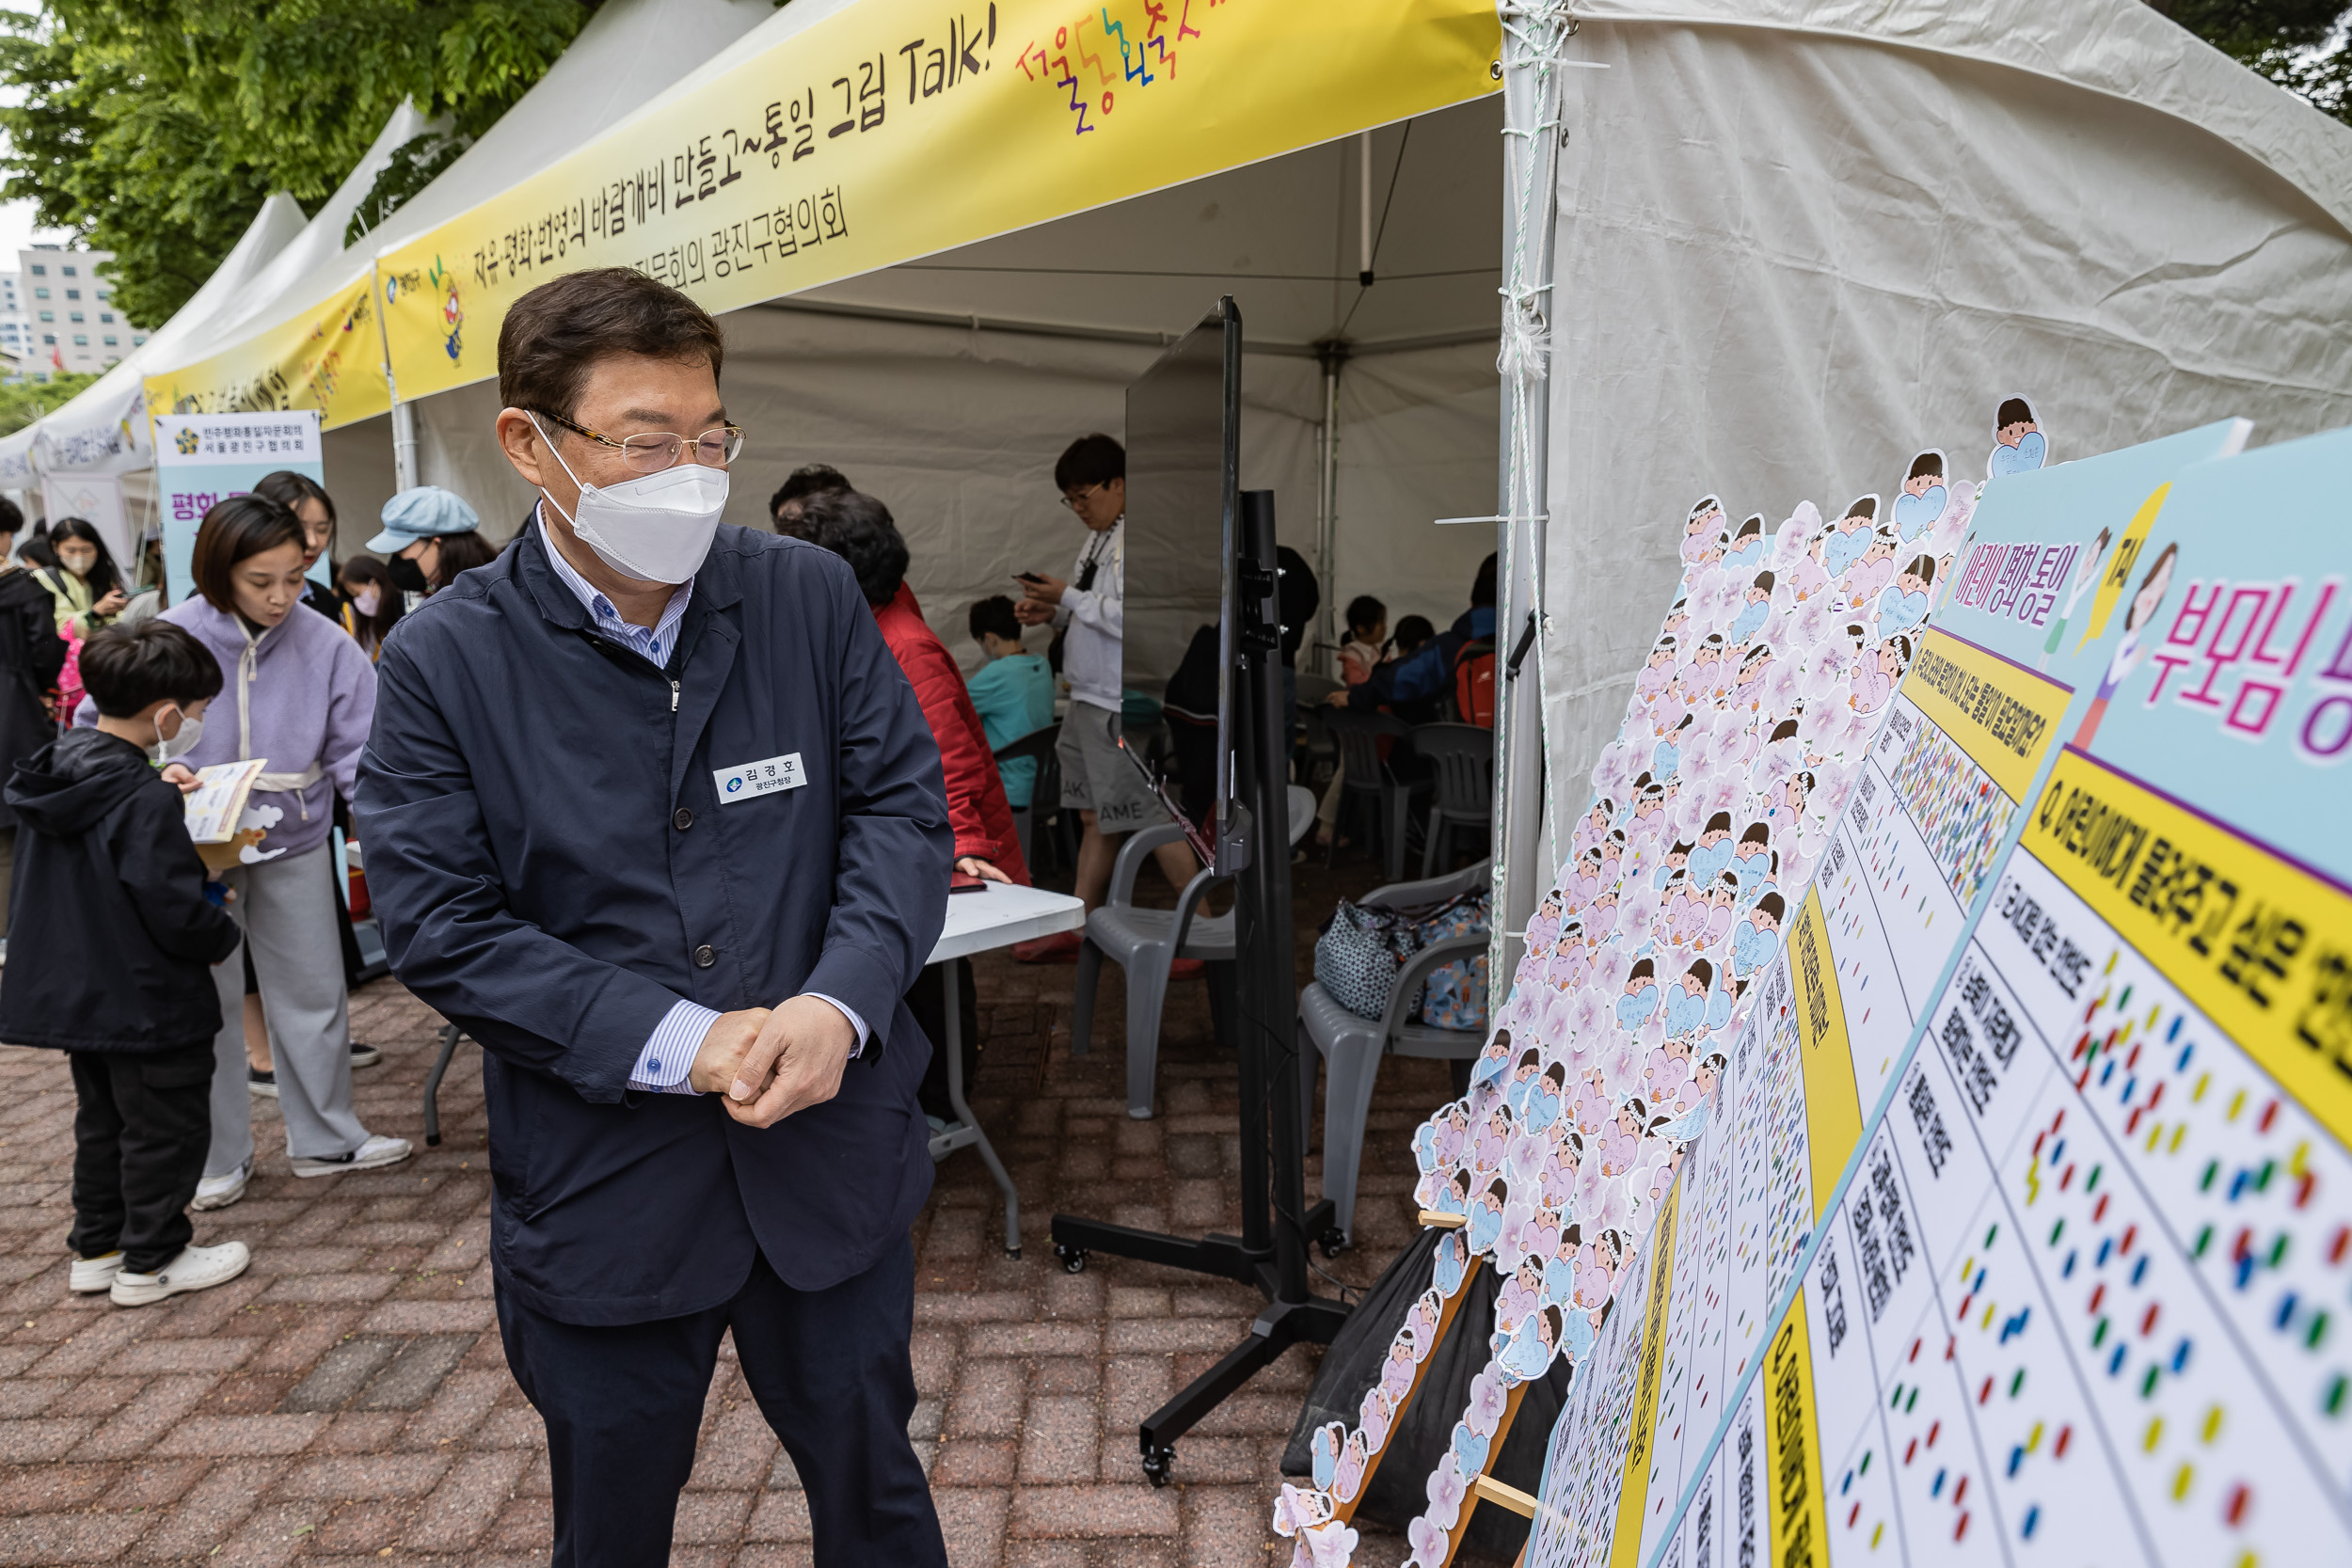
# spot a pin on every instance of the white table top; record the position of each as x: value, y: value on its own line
x: 999, y: 915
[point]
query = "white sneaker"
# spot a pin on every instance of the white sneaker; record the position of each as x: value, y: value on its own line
x: 220, y: 1191
x: 377, y: 1150
x: 197, y: 1268
x: 93, y: 1274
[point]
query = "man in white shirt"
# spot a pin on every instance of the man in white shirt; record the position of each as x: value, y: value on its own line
x: 1107, y: 789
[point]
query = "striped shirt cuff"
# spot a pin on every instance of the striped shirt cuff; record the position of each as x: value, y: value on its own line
x: 663, y: 1066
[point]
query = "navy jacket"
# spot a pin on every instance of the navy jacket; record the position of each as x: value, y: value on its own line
x: 114, y: 939
x: 553, y: 868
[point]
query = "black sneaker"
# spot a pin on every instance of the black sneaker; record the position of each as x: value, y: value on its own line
x: 260, y: 1082
x: 364, y: 1056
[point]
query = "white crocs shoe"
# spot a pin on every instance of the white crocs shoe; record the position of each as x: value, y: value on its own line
x: 220, y: 1191
x: 197, y: 1268
x: 378, y: 1150
x: 93, y: 1274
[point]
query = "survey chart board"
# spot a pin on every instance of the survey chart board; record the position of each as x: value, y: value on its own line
x: 2081, y: 1300
x: 1991, y: 692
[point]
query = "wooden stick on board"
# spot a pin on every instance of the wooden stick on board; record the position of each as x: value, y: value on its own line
x: 1432, y: 1220
x: 1493, y: 1491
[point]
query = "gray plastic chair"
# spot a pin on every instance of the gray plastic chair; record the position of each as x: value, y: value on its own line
x: 1462, y: 761
x: 1147, y: 943
x: 1352, y: 1045
x: 1039, y: 745
x: 1369, y: 780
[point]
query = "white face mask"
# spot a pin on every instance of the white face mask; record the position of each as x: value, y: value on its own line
x: 656, y: 529
x: 365, y: 602
x: 179, y: 745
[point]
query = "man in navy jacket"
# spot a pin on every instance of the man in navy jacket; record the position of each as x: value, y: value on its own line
x: 652, y: 814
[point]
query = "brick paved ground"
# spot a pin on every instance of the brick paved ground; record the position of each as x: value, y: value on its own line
x: 347, y: 1399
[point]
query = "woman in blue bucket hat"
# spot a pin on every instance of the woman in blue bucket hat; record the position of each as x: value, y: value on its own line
x: 430, y: 536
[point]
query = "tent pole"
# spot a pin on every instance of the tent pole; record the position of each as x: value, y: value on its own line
x: 1328, y: 512
x: 1534, y: 34
x: 404, y: 414
x: 1363, y: 208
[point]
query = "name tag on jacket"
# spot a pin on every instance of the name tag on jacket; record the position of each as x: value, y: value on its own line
x: 750, y: 779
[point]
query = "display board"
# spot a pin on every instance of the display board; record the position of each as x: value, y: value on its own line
x: 2071, y: 1301
x: 1757, y: 716
x: 204, y: 458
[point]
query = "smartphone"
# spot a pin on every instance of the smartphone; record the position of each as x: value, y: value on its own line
x: 1026, y: 576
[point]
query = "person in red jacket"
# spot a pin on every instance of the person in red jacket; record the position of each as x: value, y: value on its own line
x: 860, y: 530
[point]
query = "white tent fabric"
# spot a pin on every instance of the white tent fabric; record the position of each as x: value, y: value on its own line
x: 1795, y: 237
x: 98, y: 430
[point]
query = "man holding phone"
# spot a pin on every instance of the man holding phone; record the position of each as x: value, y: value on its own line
x: 1107, y: 789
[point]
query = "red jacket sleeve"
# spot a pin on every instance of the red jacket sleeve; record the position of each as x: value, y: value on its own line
x: 976, y: 807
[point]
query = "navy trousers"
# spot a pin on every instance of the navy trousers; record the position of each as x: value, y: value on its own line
x: 830, y: 1369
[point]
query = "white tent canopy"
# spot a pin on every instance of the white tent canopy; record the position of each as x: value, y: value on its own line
x: 1795, y: 237
x: 100, y: 430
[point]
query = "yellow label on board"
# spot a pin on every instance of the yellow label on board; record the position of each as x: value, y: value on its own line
x: 1633, y: 1495
x: 2003, y: 715
x: 1832, y: 1106
x: 2261, y: 946
x: 1792, y: 1447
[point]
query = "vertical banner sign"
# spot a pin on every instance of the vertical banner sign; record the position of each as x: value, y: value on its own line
x: 97, y: 499
x: 204, y: 458
x: 872, y: 134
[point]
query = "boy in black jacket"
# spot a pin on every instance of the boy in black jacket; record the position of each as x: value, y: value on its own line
x: 104, y: 866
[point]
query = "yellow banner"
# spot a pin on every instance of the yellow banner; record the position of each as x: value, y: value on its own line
x: 330, y: 358
x: 1792, y: 1448
x: 1833, y: 1107
x: 2003, y: 715
x: 1633, y: 1494
x: 899, y: 127
x: 2261, y: 946
x: 889, y: 130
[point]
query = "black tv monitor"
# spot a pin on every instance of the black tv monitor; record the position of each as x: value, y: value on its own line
x: 1184, y: 475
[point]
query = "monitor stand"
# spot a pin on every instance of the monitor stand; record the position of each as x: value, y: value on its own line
x: 1270, y: 1253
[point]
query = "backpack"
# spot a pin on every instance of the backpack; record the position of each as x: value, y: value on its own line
x: 1361, y: 951
x: 1474, y: 683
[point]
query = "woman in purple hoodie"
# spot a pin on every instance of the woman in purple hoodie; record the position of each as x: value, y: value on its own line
x: 300, y: 694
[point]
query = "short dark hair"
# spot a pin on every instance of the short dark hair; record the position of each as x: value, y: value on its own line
x: 233, y: 530
x: 995, y: 615
x: 1411, y: 632
x: 554, y: 334
x: 860, y: 530
x: 1482, y: 585
x: 11, y: 517
x: 127, y: 669
x: 290, y: 490
x: 1927, y: 462
x: 2014, y: 411
x: 809, y: 479
x: 1365, y: 611
x: 1089, y: 460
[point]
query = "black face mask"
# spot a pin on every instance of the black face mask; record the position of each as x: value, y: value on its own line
x: 406, y: 575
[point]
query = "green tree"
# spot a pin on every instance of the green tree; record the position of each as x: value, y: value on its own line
x: 2298, y: 44
x: 156, y: 130
x: 23, y: 402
